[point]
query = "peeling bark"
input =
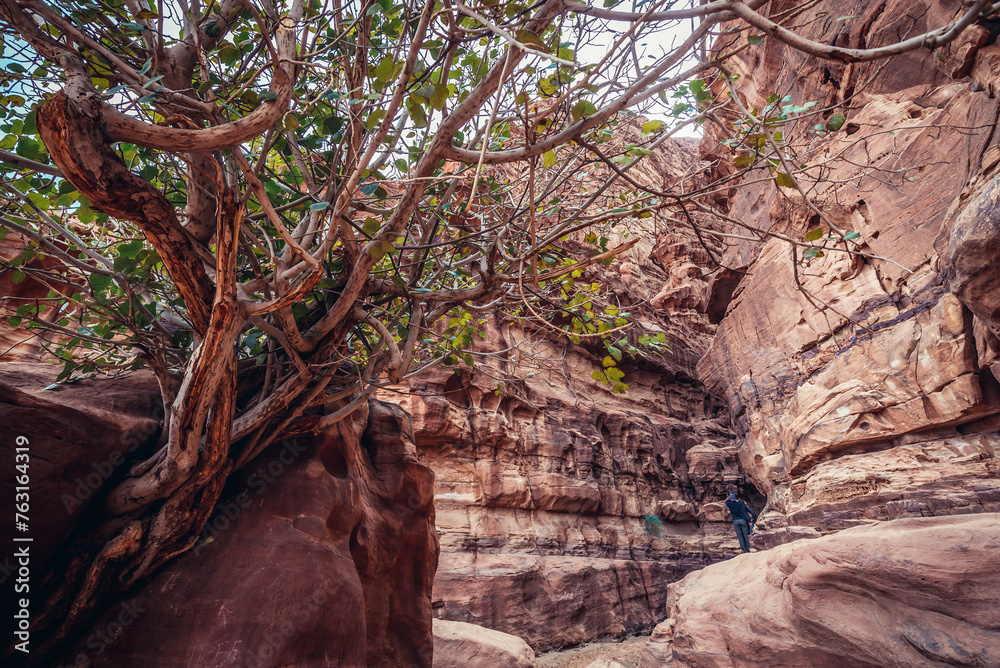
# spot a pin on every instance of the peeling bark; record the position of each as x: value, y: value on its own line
x: 72, y: 133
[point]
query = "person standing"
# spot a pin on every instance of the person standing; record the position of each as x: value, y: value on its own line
x: 743, y: 518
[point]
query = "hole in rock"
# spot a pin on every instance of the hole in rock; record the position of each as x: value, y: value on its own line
x: 359, y: 551
x: 749, y: 493
x: 993, y: 25
x: 333, y: 461
x: 371, y: 447
x: 865, y: 426
x: 720, y: 294
x: 455, y: 392
x: 852, y: 128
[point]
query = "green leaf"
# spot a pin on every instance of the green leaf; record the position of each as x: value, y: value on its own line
x: 383, y: 71
x: 212, y: 29
x: 266, y: 96
x: 17, y: 276
x: 131, y: 249
x: 811, y: 253
x: 134, y: 27
x: 99, y: 283
x: 229, y: 54
x: 743, y: 161
x: 755, y: 39
x: 784, y: 180
x: 814, y: 235
x: 318, y: 206
x: 548, y: 87
x: 529, y: 38
x: 13, y: 321
x: 548, y: 159
x: 615, y: 352
x: 583, y: 108
x: 851, y: 235
x: 651, y: 126
x: 418, y: 115
x: 836, y: 122
x: 440, y: 96
x: 28, y: 148
x: 371, y: 226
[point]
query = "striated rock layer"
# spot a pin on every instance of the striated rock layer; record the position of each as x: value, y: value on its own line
x: 544, y: 479
x: 867, y: 392
x: 910, y: 593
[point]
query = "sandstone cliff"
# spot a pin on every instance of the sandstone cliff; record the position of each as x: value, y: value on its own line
x: 863, y: 391
x: 867, y: 395
x: 543, y: 481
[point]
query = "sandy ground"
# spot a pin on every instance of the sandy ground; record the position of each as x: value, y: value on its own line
x: 626, y: 653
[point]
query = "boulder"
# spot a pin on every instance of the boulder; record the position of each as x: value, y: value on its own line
x: 461, y: 645
x: 659, y: 649
x: 910, y: 593
x: 322, y: 556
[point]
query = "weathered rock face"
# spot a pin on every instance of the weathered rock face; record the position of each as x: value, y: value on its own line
x: 910, y: 593
x: 867, y: 394
x: 322, y: 554
x: 458, y: 645
x: 16, y: 342
x: 543, y: 482
x: 77, y: 447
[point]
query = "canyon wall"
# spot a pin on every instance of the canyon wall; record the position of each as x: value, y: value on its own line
x: 544, y: 480
x: 864, y: 392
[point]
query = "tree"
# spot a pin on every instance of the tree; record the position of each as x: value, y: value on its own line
x: 275, y: 206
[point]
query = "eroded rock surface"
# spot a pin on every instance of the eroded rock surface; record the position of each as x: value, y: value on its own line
x: 78, y: 448
x: 911, y: 593
x: 543, y: 481
x: 323, y: 555
x: 458, y: 645
x: 865, y: 392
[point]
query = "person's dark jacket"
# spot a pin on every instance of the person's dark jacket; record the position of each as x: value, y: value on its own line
x: 741, y: 511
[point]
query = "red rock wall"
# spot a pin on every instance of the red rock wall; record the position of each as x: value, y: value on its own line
x: 872, y: 398
x: 321, y: 553
x: 542, y: 489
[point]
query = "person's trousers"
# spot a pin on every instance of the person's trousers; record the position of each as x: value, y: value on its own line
x: 743, y: 534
